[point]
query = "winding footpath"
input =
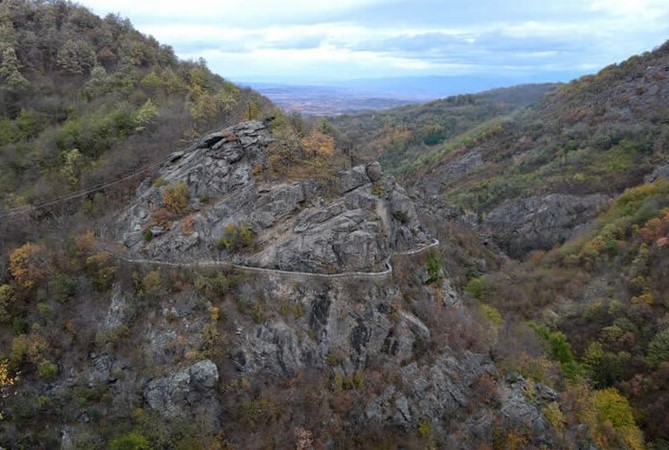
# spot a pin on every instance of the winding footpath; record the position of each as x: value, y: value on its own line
x: 227, y: 264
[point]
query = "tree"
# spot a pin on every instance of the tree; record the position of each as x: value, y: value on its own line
x: 6, y: 382
x: 614, y: 408
x: 658, y: 349
x: 9, y: 71
x: 75, y: 57
x: 27, y: 264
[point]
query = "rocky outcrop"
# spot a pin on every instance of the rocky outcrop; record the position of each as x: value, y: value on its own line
x: 297, y: 226
x: 451, y: 171
x: 186, y: 391
x: 540, y: 222
x: 433, y: 391
x: 343, y: 338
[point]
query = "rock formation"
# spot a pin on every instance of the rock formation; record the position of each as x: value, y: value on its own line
x: 297, y: 226
x: 538, y: 223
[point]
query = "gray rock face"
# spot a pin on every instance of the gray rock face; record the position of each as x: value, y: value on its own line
x: 296, y: 230
x: 519, y: 413
x: 535, y: 223
x: 433, y: 391
x: 453, y: 171
x: 118, y: 309
x: 184, y: 392
x: 341, y: 337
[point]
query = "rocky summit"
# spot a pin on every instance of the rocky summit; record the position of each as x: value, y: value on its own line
x: 353, y: 224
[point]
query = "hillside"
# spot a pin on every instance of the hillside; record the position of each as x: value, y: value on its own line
x: 574, y: 188
x: 248, y: 288
x: 397, y: 137
x: 598, y: 134
x: 86, y: 100
x: 183, y: 266
x: 227, y: 306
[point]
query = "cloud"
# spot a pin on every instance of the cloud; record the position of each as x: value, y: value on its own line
x: 368, y: 38
x: 232, y: 12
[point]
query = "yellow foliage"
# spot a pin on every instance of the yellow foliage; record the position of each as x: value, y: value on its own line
x: 176, y: 197
x: 643, y: 299
x: 318, y: 144
x: 151, y: 284
x: 6, y: 382
x: 214, y: 313
x: 612, y: 407
x: 27, y: 265
x: 554, y: 416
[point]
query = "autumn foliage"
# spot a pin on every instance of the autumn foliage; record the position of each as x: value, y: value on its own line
x: 27, y: 265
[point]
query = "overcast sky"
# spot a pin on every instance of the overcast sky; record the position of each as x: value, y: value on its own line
x: 314, y: 41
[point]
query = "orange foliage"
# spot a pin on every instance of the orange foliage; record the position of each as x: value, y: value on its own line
x: 161, y: 217
x: 85, y: 242
x: 318, y: 144
x: 655, y: 228
x: 27, y: 265
x: 187, y: 224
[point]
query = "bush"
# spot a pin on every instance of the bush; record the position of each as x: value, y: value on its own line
x: 176, y: 197
x: 47, y: 369
x: 27, y: 265
x: 101, y: 271
x: 658, y: 349
x: 258, y: 313
x: 6, y: 297
x: 433, y: 268
x: 476, y: 287
x: 130, y: 441
x: 560, y: 350
x: 615, y: 408
x: 237, y: 238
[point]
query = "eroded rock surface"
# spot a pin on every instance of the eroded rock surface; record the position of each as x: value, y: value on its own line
x: 540, y: 222
x: 185, y: 391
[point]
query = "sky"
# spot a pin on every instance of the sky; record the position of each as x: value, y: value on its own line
x: 312, y: 41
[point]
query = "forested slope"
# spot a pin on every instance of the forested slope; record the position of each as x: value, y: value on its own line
x: 573, y: 187
x: 84, y: 100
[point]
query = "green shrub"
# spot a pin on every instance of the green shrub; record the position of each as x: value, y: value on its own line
x: 101, y: 270
x: 47, y: 369
x: 66, y: 287
x: 130, y: 441
x: 476, y: 287
x: 258, y: 313
x: 433, y: 268
x: 6, y: 297
x: 658, y: 349
x: 560, y: 350
x: 492, y: 314
x: 237, y: 238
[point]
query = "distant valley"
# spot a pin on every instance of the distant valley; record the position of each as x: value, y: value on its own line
x: 330, y: 98
x: 327, y: 101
